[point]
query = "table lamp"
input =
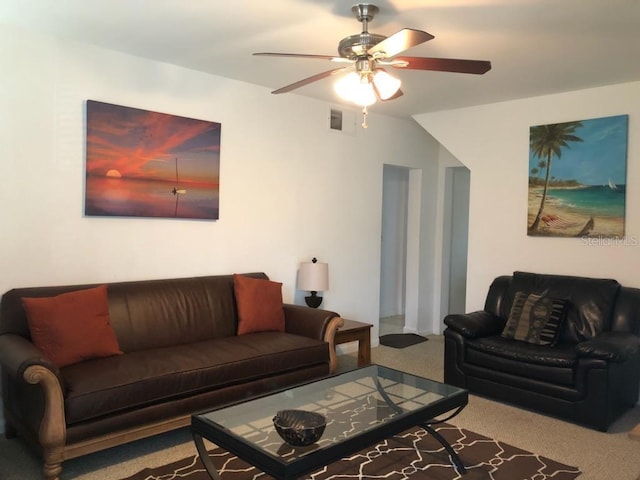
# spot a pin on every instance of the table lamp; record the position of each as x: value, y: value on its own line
x: 313, y: 277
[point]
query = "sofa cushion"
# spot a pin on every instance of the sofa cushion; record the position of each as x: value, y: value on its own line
x: 162, y: 313
x: 142, y: 378
x: 535, y: 319
x: 259, y: 305
x: 72, y: 327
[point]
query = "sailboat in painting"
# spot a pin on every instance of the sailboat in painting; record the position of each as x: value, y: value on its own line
x: 177, y: 191
x: 612, y: 185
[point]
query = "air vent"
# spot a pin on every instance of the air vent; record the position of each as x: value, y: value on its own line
x: 342, y: 120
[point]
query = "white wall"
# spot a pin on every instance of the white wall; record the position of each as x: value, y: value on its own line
x: 442, y: 238
x: 457, y: 195
x: 493, y: 142
x: 290, y: 188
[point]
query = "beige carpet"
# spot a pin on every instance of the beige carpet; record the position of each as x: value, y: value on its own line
x: 599, y: 455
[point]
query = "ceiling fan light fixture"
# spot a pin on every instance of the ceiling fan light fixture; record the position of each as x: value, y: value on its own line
x: 386, y: 85
x: 368, y: 53
x: 356, y: 88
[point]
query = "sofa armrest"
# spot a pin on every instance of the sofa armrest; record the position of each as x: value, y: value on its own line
x: 475, y: 324
x: 18, y: 353
x: 314, y: 323
x: 306, y: 321
x: 615, y: 347
x: 22, y: 362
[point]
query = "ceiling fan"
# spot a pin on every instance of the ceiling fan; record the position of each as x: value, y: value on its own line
x: 368, y: 53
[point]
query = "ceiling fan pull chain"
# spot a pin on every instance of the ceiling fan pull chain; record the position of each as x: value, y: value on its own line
x: 365, y: 112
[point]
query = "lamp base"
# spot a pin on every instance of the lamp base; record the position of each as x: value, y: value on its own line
x: 313, y: 300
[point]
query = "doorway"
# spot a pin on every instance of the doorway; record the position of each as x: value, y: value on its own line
x: 393, y: 257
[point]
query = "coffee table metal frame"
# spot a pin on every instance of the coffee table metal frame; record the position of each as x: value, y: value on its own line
x: 386, y: 388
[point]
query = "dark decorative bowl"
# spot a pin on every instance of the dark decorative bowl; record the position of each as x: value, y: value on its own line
x: 299, y: 427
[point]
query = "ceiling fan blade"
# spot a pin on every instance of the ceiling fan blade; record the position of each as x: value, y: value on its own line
x: 399, y: 42
x: 296, y: 55
x: 443, y: 64
x: 398, y: 94
x: 306, y: 81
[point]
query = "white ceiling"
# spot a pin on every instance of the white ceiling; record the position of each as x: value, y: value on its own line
x: 536, y: 47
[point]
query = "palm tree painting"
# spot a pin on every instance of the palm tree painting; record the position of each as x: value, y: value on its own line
x: 577, y: 178
x: 148, y: 164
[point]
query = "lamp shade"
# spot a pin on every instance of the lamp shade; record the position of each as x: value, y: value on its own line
x: 313, y: 277
x: 386, y: 85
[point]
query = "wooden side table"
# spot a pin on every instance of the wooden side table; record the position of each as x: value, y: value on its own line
x: 353, y: 331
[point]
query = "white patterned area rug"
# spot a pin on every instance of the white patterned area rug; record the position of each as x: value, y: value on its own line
x: 411, y: 455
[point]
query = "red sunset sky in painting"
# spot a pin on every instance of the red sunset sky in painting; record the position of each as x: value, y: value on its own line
x: 133, y: 143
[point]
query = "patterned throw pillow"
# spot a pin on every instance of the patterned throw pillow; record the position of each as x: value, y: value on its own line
x: 535, y: 318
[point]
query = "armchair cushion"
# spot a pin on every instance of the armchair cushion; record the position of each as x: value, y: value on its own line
x: 535, y: 318
x: 72, y: 327
x: 561, y: 355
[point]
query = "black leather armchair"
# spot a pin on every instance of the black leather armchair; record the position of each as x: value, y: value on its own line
x: 590, y: 376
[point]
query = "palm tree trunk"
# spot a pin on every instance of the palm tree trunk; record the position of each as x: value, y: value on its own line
x: 534, y: 225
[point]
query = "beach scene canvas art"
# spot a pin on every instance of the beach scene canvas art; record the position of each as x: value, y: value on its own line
x: 148, y: 164
x: 577, y: 178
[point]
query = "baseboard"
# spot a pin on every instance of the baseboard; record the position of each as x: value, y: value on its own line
x: 410, y: 330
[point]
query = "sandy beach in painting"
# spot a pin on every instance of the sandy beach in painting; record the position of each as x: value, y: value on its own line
x: 563, y: 221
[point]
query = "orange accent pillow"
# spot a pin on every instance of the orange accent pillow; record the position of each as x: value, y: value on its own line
x: 259, y: 304
x: 72, y: 327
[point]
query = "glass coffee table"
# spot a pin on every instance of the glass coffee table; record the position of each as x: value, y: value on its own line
x: 362, y: 407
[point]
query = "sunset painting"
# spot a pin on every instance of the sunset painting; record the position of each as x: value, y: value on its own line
x: 578, y: 178
x: 148, y: 164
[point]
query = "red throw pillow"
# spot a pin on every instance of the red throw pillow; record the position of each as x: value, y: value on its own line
x: 259, y: 304
x: 72, y: 327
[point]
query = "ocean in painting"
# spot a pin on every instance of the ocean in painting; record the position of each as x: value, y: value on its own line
x: 593, y: 200
x: 150, y: 198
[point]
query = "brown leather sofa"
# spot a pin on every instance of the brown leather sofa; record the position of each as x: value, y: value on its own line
x: 181, y: 355
x: 590, y: 375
